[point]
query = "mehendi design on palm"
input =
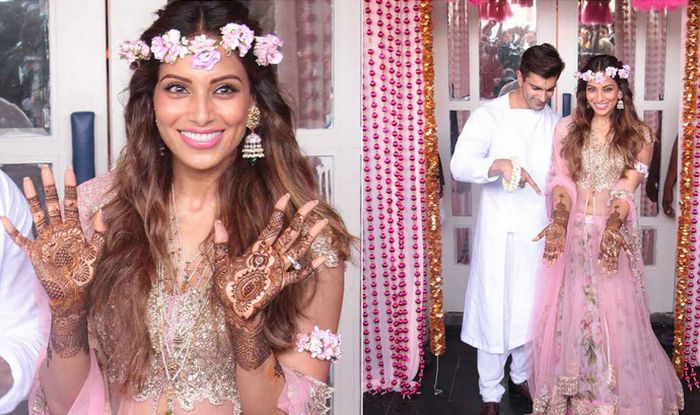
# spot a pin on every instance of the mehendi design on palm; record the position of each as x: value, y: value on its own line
x: 611, y: 242
x: 247, y: 284
x: 64, y: 262
x: 555, y: 233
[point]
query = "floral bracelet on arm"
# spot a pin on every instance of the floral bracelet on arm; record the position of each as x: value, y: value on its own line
x: 512, y: 185
x: 322, y: 344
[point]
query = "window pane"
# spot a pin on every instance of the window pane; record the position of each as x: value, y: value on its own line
x: 462, y: 246
x: 323, y: 167
x: 649, y: 205
x: 17, y: 172
x: 24, y: 67
x: 655, y: 59
x: 505, y: 35
x: 607, y: 30
x: 306, y: 28
x: 461, y: 192
x: 458, y: 49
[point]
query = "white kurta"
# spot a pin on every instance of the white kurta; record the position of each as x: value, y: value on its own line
x: 498, y: 304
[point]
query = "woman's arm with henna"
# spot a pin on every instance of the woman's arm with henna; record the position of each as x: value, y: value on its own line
x: 246, y: 285
x: 64, y: 263
x: 612, y: 240
x: 555, y: 232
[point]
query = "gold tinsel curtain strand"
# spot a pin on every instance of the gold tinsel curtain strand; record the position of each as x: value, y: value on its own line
x: 432, y: 229
x: 685, y: 183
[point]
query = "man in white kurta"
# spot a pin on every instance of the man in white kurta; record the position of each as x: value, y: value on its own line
x: 22, y: 334
x: 500, y: 289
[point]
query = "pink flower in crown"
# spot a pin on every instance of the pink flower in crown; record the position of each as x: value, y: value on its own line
x: 159, y: 47
x: 237, y: 36
x: 205, y: 53
x: 599, y: 77
x: 169, y: 47
x: 611, y: 71
x: 624, y: 73
x: 133, y: 51
x: 266, y: 50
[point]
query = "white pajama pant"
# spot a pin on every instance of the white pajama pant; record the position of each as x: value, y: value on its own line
x: 491, y: 367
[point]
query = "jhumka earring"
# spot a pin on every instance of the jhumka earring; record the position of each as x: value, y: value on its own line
x: 252, y: 145
x: 620, y: 103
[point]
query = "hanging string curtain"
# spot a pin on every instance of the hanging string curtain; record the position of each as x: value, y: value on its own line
x: 597, y: 12
x: 498, y: 10
x: 658, y: 4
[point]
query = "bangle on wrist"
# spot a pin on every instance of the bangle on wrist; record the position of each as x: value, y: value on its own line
x: 512, y: 185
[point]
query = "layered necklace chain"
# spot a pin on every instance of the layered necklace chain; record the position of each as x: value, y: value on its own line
x: 175, y: 335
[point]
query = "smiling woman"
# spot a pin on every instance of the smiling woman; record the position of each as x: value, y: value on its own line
x: 213, y: 274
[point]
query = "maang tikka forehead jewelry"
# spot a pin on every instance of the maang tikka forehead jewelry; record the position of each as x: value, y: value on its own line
x: 252, y: 144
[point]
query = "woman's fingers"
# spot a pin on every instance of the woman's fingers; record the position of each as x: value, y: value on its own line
x: 293, y: 277
x: 285, y: 241
x: 300, y: 248
x: 19, y: 239
x: 274, y: 225
x: 220, y: 242
x: 51, y: 194
x: 38, y: 214
x: 70, y: 199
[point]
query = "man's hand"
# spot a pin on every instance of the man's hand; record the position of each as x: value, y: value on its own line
x: 6, y: 379
x: 504, y: 167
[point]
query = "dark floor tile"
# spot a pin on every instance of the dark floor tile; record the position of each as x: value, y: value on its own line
x: 419, y: 407
x: 375, y: 404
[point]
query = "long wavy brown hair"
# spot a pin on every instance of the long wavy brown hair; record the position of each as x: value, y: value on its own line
x: 137, y: 218
x: 628, y: 131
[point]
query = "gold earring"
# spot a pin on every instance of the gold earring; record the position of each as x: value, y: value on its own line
x: 252, y: 145
x: 620, y: 104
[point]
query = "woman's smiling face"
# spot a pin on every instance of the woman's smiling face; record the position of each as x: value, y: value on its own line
x: 602, y: 97
x: 201, y: 115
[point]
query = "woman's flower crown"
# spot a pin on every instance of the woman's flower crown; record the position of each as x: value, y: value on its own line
x: 171, y: 45
x: 599, y: 77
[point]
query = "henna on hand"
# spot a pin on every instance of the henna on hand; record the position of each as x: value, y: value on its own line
x: 247, y: 284
x: 64, y: 261
x: 611, y: 242
x: 555, y: 233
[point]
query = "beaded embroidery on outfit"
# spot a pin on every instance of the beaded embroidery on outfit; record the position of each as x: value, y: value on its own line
x: 601, y: 169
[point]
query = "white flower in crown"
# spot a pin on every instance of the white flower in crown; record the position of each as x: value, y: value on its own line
x: 266, y: 50
x: 624, y: 73
x: 237, y: 36
x: 584, y: 76
x: 599, y: 77
x: 611, y: 71
x: 205, y: 53
x: 133, y: 51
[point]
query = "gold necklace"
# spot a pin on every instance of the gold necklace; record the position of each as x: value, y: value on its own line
x: 175, y: 355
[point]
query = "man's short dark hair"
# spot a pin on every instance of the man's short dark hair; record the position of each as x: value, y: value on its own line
x: 542, y: 60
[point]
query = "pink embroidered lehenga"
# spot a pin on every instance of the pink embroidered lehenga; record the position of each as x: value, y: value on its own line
x: 594, y: 348
x: 207, y: 383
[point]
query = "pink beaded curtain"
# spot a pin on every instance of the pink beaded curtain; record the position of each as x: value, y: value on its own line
x: 625, y: 31
x: 655, y: 57
x: 306, y: 73
x: 458, y: 48
x: 393, y: 269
